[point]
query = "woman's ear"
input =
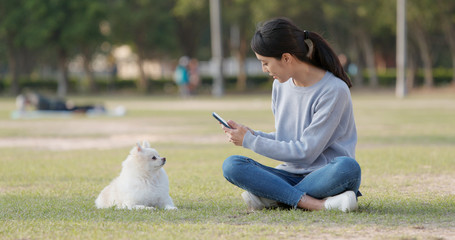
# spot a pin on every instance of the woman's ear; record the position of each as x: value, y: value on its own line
x: 286, y: 57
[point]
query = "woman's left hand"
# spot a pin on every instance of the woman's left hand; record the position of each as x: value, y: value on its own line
x: 236, y: 133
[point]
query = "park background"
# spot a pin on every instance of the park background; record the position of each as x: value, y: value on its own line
x: 52, y: 167
x: 83, y: 47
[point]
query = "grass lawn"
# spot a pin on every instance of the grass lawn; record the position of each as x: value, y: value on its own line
x: 52, y: 169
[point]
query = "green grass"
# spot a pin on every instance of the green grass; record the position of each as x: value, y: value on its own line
x: 406, y: 150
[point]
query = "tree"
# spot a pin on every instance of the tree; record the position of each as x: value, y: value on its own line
x: 146, y: 26
x: 420, y: 22
x: 12, y: 18
x: 238, y: 15
x: 244, y: 15
x: 85, y: 32
x: 447, y: 8
x: 192, y: 18
x: 65, y: 28
x: 46, y: 29
x: 362, y: 20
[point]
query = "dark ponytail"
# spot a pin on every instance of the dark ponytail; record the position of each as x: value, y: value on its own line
x: 280, y: 35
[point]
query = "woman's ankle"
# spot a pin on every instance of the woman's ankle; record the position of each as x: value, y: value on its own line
x: 311, y: 203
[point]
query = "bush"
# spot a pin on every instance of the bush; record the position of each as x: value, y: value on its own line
x: 442, y: 76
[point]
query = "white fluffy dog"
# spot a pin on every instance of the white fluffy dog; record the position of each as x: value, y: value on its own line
x: 142, y: 184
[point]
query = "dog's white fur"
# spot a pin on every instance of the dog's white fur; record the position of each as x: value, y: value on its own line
x: 142, y: 184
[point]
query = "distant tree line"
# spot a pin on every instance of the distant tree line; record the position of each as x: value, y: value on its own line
x: 39, y: 34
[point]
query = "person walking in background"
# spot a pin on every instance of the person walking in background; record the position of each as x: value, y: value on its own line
x: 182, y: 76
x: 315, y: 135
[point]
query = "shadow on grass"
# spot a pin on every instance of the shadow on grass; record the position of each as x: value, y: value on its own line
x: 438, y: 210
x: 389, y: 212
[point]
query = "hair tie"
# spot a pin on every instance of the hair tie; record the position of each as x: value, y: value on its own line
x: 309, y: 43
x: 306, y: 34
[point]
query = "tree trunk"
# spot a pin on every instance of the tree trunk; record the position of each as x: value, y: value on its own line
x: 450, y: 37
x: 453, y: 67
x: 142, y: 81
x: 88, y: 72
x: 411, y: 70
x: 12, y: 65
x: 356, y: 67
x: 448, y: 31
x: 241, y: 56
x: 367, y: 45
x: 425, y: 55
x: 62, y: 79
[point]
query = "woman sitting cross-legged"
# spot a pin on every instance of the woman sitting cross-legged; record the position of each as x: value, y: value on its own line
x: 315, y: 135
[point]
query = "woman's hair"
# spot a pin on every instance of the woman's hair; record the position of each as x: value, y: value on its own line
x: 280, y: 35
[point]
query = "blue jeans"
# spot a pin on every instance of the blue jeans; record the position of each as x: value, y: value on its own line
x: 340, y: 175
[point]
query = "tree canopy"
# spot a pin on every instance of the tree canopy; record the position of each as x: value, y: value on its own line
x: 48, y: 34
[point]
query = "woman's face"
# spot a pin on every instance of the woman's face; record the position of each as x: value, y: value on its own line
x: 274, y: 67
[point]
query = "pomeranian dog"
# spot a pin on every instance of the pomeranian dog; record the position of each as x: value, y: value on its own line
x: 142, y: 184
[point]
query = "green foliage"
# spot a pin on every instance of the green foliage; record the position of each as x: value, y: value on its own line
x: 261, y: 83
x: 184, y: 8
x: 34, y: 33
x: 12, y: 19
x: 145, y: 24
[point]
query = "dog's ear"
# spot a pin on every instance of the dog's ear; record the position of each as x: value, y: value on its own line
x: 145, y: 144
x: 139, y: 148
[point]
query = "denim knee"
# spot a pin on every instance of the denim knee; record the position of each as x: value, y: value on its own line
x: 351, y: 167
x: 348, y: 163
x: 231, y: 166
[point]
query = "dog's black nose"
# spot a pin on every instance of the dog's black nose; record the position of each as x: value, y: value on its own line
x: 164, y: 159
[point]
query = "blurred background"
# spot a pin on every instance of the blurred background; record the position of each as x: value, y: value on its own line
x: 134, y: 46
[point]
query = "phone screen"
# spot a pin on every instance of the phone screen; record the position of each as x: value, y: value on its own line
x: 220, y: 119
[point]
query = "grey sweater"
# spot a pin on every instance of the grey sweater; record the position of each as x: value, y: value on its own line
x: 313, y: 125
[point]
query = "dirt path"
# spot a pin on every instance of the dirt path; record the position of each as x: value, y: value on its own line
x: 114, y: 141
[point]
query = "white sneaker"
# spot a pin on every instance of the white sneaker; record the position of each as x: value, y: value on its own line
x: 346, y: 202
x: 257, y: 203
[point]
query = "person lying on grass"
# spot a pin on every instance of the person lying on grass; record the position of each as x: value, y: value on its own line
x: 315, y: 135
x: 40, y: 102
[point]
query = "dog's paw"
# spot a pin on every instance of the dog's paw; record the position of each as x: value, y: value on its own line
x: 140, y: 207
x: 170, y: 208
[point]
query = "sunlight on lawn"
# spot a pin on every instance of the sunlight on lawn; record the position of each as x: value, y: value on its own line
x: 51, y: 171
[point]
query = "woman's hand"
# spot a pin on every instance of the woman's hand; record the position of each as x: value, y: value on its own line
x: 237, y: 132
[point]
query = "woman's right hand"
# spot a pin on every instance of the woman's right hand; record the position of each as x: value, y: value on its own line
x: 236, y: 133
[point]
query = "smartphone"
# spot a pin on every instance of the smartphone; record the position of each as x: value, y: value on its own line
x: 221, y: 120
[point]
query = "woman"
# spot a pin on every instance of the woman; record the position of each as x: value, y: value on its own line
x: 315, y: 135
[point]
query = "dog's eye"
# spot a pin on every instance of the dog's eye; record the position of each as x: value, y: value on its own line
x: 154, y: 158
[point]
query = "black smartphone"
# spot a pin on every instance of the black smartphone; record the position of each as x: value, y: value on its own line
x: 221, y: 120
